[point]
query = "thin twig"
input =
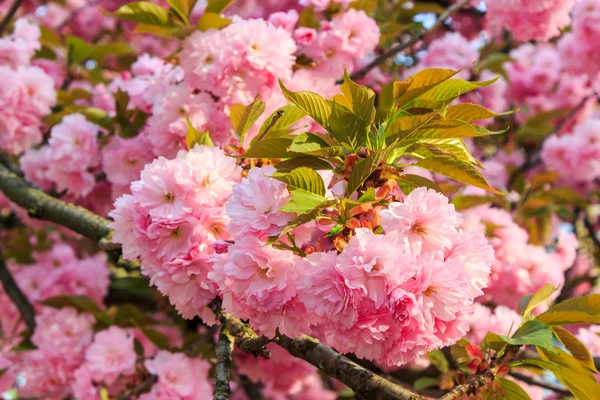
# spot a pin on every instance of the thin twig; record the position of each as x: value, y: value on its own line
x: 139, y: 389
x: 16, y: 295
x: 223, y: 351
x: 413, y: 39
x: 11, y: 13
x: 363, y: 382
x: 534, y: 382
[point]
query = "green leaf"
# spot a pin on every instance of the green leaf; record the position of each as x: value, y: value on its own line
x: 450, y: 89
x: 313, y: 144
x: 218, y: 6
x: 290, y: 114
x: 420, y: 83
x: 425, y: 382
x: 581, y: 310
x: 311, y: 103
x: 81, y: 304
x: 539, y: 297
x: 307, y: 216
x: 403, y: 125
x: 157, y: 338
x: 447, y: 129
x: 464, y: 202
x: 347, y: 127
x: 210, y: 20
x: 303, y: 178
x: 438, y: 359
x: 303, y: 201
x: 313, y: 162
x: 194, y: 137
x: 364, y: 168
x: 575, y: 347
x: 454, y: 147
x: 99, y: 52
x: 144, y: 12
x: 469, y: 112
x: 335, y: 230
x: 570, y: 372
x: 92, y: 114
x: 457, y: 170
x: 362, y: 99
x: 78, y: 51
x: 409, y: 182
x: 368, y: 196
x: 183, y: 8
x: 512, y: 390
x: 270, y: 148
x: 532, y: 333
x: 243, y: 117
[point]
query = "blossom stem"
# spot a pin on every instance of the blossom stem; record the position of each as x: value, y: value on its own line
x: 223, y: 352
x: 413, y: 39
x: 16, y: 295
x: 10, y: 14
x: 365, y: 383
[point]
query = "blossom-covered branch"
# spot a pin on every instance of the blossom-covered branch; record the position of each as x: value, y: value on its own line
x: 223, y: 350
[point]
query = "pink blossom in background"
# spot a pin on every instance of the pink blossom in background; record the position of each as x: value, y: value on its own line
x: 179, y: 376
x: 111, y: 354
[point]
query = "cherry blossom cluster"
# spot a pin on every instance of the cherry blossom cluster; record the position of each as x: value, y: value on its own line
x: 27, y: 93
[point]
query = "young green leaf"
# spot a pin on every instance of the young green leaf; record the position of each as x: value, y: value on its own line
x: 532, y: 333
x: 364, y: 168
x: 285, y: 116
x: 409, y: 182
x: 243, y: 117
x: 450, y: 89
x: 303, y: 178
x: 346, y: 127
x: 581, y: 310
x: 218, y: 6
x: 539, y: 297
x: 210, y: 20
x: 457, y: 170
x: 575, y: 347
x: 311, y: 103
x: 512, y: 390
x: 194, y: 137
x: 313, y: 162
x: 183, y: 8
x: 312, y: 144
x: 362, y: 99
x: 469, y: 112
x: 144, y: 12
x: 303, y: 201
x: 270, y: 148
x: 420, y: 83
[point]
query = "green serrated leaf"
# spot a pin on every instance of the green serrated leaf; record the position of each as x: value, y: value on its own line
x: 364, y: 168
x: 409, y: 182
x: 469, y: 112
x: 243, y: 117
x: 575, y: 347
x: 303, y: 201
x: 183, y: 8
x: 419, y: 84
x: 270, y: 148
x: 210, y: 20
x: 457, y: 170
x: 311, y: 103
x: 335, y: 230
x: 451, y: 89
x: 512, y: 390
x: 144, y: 12
x: 313, y: 162
x: 539, y: 297
x: 307, y: 216
x: 290, y: 114
x: 312, y: 144
x: 195, y: 137
x: 346, y: 127
x: 303, y: 178
x: 581, y: 310
x: 532, y: 333
x: 362, y: 99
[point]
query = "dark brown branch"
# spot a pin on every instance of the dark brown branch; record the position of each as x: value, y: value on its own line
x: 246, y: 339
x: 16, y: 295
x: 253, y: 390
x: 223, y: 351
x: 365, y: 383
x: 139, y: 389
x: 43, y: 206
x: 413, y: 39
x: 479, y: 380
x: 534, y: 382
x: 10, y: 14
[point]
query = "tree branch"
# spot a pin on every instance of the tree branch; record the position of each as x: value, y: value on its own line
x: 139, y: 389
x: 245, y: 337
x: 10, y: 14
x: 43, y: 206
x: 16, y: 295
x: 413, y: 39
x: 223, y: 352
x: 365, y: 383
x: 479, y: 380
